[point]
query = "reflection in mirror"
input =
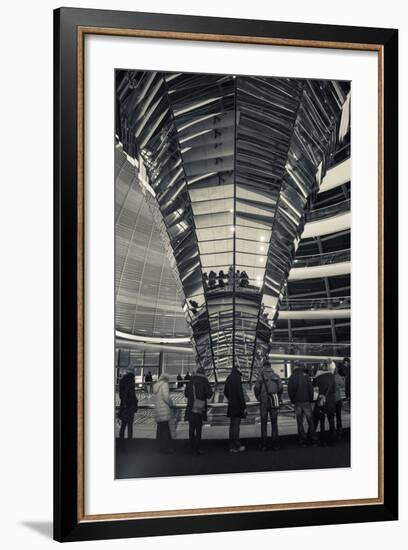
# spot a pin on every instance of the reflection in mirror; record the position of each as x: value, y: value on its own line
x: 230, y: 168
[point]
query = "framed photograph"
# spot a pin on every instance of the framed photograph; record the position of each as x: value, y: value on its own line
x: 225, y: 274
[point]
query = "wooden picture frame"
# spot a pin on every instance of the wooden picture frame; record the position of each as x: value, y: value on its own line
x: 70, y: 28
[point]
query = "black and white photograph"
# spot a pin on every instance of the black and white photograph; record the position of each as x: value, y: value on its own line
x: 201, y: 275
x: 232, y: 273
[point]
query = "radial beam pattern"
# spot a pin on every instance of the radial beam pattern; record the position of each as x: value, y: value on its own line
x: 230, y: 167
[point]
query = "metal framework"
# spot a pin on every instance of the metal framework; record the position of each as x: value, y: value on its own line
x: 230, y: 167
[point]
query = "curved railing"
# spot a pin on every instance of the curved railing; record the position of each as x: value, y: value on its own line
x: 228, y: 284
x: 306, y: 348
x: 322, y: 259
x: 300, y: 304
x: 328, y: 211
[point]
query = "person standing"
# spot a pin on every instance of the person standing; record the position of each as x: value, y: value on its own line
x: 221, y: 277
x: 326, y: 404
x: 236, y: 410
x: 268, y: 391
x: 128, y: 404
x: 179, y: 381
x: 197, y: 391
x: 162, y: 413
x: 212, y: 279
x: 347, y: 377
x: 300, y: 390
x: 244, y: 280
x: 149, y: 382
x: 339, y: 387
x: 230, y: 276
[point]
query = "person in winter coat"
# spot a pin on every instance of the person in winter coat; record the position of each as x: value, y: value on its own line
x: 326, y: 403
x: 268, y: 391
x: 128, y: 404
x: 197, y: 391
x: 300, y: 390
x: 162, y: 412
x: 236, y: 410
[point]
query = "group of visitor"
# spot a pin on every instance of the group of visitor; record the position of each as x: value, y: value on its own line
x: 212, y: 280
x: 314, y: 409
x: 328, y: 404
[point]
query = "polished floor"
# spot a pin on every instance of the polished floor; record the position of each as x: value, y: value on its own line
x: 140, y: 457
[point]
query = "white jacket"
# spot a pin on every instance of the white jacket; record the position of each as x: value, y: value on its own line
x: 162, y: 401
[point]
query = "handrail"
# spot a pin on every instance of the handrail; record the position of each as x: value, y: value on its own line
x: 294, y: 304
x: 322, y: 259
x: 328, y: 211
x: 151, y: 406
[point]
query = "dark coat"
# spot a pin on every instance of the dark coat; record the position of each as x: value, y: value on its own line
x: 234, y: 392
x: 203, y: 391
x: 326, y: 385
x: 300, y: 387
x: 128, y: 399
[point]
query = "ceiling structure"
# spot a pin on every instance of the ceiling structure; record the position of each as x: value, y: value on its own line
x: 227, y: 173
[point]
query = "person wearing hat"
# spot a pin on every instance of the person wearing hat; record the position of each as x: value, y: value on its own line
x: 268, y: 391
x: 197, y: 391
x: 162, y: 412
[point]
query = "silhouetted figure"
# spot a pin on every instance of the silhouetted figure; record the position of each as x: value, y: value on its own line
x: 236, y: 410
x: 244, y: 280
x: 230, y: 276
x: 205, y: 280
x: 148, y: 381
x: 221, y: 277
x: 212, y: 279
x: 197, y: 391
x: 194, y: 307
x: 128, y: 404
x: 187, y: 377
x: 268, y: 391
x: 179, y: 381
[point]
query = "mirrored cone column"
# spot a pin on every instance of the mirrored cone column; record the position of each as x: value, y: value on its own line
x: 317, y: 133
x: 229, y: 167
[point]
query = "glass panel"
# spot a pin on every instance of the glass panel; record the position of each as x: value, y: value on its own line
x: 229, y: 168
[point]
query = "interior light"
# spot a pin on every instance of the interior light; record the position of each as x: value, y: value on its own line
x: 262, y: 238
